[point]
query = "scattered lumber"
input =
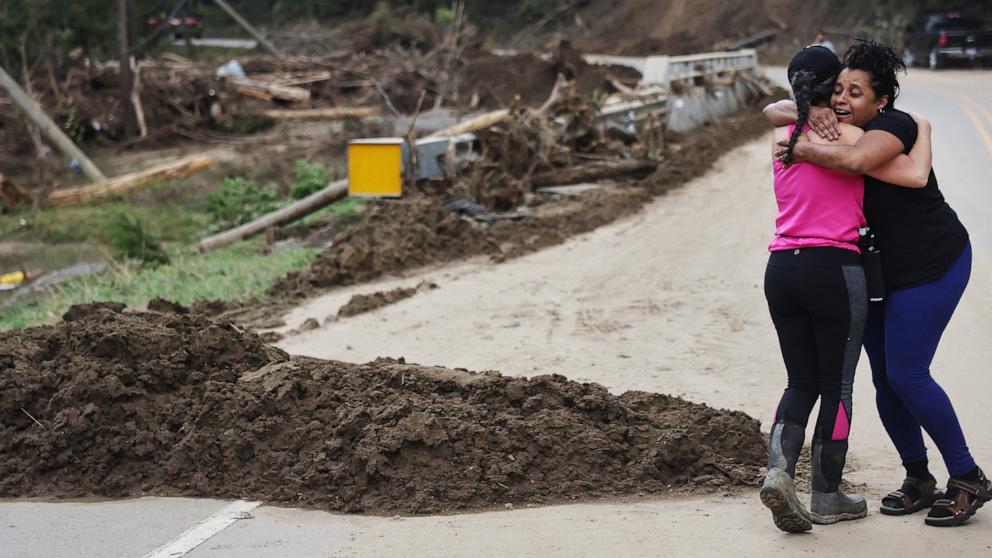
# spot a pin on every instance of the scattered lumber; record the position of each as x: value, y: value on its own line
x: 323, y: 113
x: 480, y: 122
x: 129, y: 182
x: 269, y: 91
x: 322, y: 198
x: 292, y: 80
x: 596, y: 170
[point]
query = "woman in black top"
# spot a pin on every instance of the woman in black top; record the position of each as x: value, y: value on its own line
x: 926, y: 261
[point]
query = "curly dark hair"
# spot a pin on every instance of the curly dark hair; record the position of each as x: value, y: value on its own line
x: 880, y: 62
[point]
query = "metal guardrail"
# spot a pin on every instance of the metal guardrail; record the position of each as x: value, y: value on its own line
x: 662, y: 70
x: 632, y: 114
x: 699, y: 65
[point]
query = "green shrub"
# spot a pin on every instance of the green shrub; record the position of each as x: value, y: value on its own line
x: 238, y: 201
x: 130, y: 239
x: 310, y: 177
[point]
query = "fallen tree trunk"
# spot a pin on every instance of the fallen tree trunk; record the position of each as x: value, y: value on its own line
x: 596, y: 170
x: 271, y: 91
x: 50, y: 129
x: 323, y: 113
x: 332, y: 193
x: 129, y: 182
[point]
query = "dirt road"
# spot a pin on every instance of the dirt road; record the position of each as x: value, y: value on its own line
x: 668, y: 301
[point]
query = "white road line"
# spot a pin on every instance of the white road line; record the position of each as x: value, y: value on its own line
x: 198, y: 534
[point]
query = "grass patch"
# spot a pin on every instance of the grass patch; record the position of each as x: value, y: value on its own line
x: 173, y: 223
x: 235, y: 273
x: 348, y: 210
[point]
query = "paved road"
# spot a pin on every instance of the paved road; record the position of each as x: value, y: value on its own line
x: 701, y: 332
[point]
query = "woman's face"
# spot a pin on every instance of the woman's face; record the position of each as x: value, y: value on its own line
x: 854, y: 101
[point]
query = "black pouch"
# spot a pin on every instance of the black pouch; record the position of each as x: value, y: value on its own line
x: 871, y: 259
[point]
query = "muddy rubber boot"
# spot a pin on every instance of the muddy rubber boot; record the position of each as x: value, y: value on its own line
x: 778, y: 493
x: 828, y: 503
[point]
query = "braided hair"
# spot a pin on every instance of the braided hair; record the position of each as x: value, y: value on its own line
x: 808, y: 93
x: 880, y: 62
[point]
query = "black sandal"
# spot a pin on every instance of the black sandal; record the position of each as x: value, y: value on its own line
x: 970, y: 497
x: 899, y: 502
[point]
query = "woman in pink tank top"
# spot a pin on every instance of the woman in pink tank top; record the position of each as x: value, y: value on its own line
x: 817, y: 297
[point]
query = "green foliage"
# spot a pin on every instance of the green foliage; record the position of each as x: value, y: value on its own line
x: 310, y: 177
x: 236, y: 273
x: 130, y: 239
x: 444, y: 16
x: 178, y: 221
x: 238, y: 201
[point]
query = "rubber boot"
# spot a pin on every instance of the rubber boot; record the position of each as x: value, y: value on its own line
x: 778, y: 493
x: 828, y: 503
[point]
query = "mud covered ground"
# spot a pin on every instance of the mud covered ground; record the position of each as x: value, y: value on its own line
x: 115, y: 404
x: 415, y: 231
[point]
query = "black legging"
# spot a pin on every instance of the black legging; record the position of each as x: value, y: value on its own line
x: 818, y: 302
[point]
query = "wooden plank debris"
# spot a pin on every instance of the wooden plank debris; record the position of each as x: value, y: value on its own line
x: 323, y: 113
x: 269, y: 91
x: 121, y: 185
x: 480, y: 122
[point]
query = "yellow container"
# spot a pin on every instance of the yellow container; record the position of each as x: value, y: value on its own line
x: 375, y: 167
x: 15, y: 278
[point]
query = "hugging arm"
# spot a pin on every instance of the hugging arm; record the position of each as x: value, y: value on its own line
x: 877, y: 154
x: 822, y: 120
x: 913, y: 170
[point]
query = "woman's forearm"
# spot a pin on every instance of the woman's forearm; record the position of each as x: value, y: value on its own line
x: 874, y: 149
x: 913, y: 170
x: 841, y: 158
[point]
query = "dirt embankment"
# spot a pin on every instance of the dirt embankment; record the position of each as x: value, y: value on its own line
x: 415, y: 231
x: 115, y: 404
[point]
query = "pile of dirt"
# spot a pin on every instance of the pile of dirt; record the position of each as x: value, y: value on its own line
x: 362, y: 303
x: 415, y: 231
x: 497, y: 80
x: 117, y: 404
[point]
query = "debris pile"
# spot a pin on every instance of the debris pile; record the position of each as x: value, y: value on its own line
x: 418, y: 230
x: 113, y: 403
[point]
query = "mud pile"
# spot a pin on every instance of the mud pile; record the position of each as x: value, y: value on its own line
x: 117, y: 404
x: 415, y: 231
x: 362, y: 303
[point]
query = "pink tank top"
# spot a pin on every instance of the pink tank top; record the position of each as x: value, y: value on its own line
x: 817, y: 207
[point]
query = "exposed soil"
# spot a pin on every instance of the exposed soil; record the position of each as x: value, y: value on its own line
x: 115, y: 404
x: 643, y: 27
x: 416, y: 230
x: 362, y: 303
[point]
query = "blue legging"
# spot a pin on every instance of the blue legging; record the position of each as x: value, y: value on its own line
x: 901, y: 337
